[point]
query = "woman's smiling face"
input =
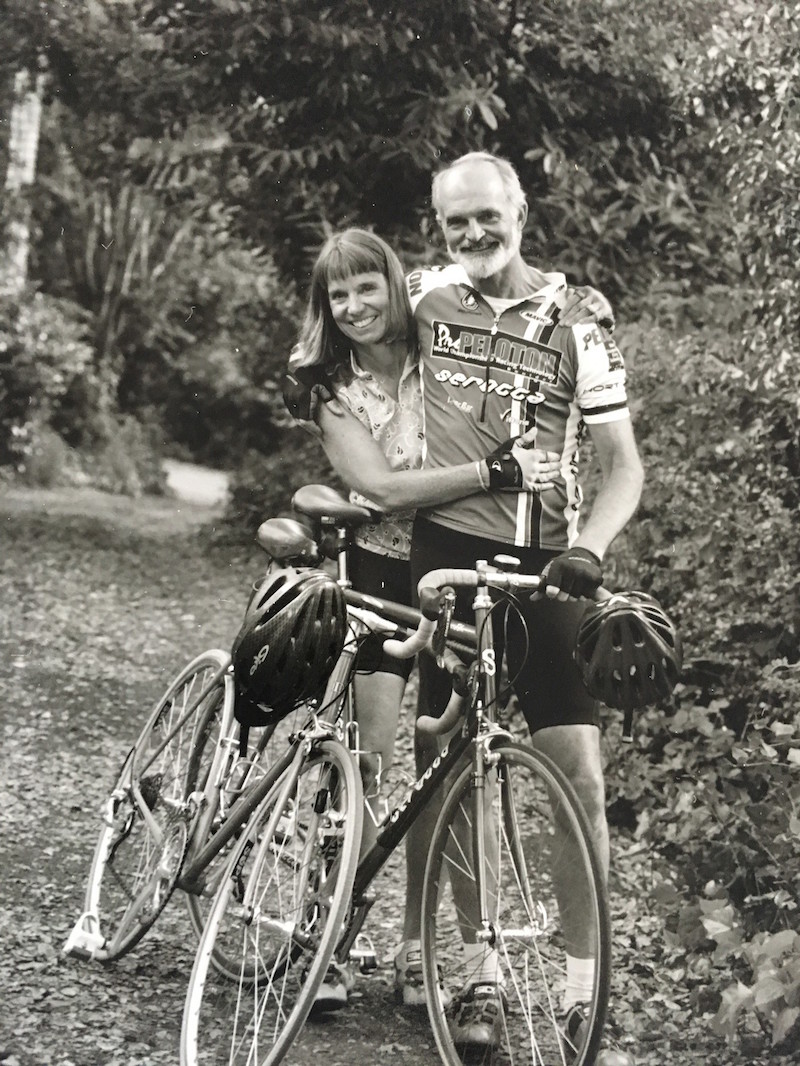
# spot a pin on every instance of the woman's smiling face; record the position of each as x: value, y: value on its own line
x: 360, y: 306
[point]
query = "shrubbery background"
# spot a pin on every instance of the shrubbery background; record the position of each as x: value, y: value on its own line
x: 192, y: 158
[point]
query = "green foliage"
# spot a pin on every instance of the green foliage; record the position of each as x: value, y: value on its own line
x: 722, y: 811
x: 190, y: 325
x: 583, y: 96
x: 715, y: 788
x: 747, y: 87
x: 44, y: 353
x: 202, y: 139
x: 54, y: 426
x: 262, y: 486
x: 47, y: 461
x: 726, y: 505
x: 129, y: 460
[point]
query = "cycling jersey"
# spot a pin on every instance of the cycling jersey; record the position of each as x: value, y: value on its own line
x: 491, y: 373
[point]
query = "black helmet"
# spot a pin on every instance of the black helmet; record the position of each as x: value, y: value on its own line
x: 628, y: 651
x: 293, y: 633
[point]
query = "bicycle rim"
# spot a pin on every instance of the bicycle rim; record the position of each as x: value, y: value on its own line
x: 271, y: 742
x: 279, y: 912
x: 501, y: 1003
x: 146, y: 818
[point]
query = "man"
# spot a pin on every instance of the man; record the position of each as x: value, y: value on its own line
x: 499, y: 361
x: 497, y: 364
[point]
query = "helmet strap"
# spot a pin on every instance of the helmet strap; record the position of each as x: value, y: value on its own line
x: 627, y: 726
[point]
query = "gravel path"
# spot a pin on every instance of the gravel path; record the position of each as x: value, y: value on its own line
x: 103, y: 600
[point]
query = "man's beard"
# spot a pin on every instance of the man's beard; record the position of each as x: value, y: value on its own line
x: 479, y: 265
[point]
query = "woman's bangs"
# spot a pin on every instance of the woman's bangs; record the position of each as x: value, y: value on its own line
x: 345, y: 262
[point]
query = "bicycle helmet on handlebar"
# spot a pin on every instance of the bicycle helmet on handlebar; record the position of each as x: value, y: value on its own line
x: 293, y: 633
x: 628, y: 651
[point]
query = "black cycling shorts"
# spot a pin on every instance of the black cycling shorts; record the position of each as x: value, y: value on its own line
x: 539, y: 658
x: 388, y: 579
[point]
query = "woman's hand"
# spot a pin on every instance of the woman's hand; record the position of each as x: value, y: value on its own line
x: 519, y: 466
x: 585, y: 304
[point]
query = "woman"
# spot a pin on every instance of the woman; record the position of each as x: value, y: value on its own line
x: 359, y: 331
x: 357, y: 349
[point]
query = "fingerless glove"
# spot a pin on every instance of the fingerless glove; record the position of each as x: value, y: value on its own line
x: 303, y: 387
x: 504, y: 470
x: 577, y: 571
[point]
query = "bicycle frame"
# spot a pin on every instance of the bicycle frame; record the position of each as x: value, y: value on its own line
x: 336, y: 706
x: 479, y: 726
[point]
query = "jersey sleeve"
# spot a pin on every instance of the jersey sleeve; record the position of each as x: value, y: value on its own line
x: 600, y: 380
x: 424, y: 280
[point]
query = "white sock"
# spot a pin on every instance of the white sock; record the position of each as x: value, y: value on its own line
x: 482, y: 964
x: 408, y: 947
x: 580, y: 981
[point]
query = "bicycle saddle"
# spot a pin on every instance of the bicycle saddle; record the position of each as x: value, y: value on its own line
x: 321, y: 501
x: 286, y: 538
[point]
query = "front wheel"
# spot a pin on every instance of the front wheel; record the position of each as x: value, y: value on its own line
x: 277, y: 916
x: 512, y: 858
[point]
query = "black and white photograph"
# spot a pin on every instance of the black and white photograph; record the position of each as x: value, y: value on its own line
x: 399, y: 540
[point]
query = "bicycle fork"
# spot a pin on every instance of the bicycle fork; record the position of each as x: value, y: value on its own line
x: 489, y: 834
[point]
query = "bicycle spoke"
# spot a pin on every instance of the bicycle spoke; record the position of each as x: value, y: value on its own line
x: 278, y: 914
x: 144, y: 836
x: 497, y: 1000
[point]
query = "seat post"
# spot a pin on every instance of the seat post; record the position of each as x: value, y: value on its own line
x: 342, y: 545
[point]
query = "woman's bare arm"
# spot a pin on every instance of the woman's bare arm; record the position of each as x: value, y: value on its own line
x: 360, y: 463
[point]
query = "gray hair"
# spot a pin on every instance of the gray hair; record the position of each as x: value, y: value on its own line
x: 508, y: 176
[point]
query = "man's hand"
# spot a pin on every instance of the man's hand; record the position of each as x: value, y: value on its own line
x: 303, y: 388
x: 585, y: 304
x: 516, y: 466
x: 576, y: 573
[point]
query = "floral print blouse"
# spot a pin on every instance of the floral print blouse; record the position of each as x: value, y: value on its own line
x: 396, y: 425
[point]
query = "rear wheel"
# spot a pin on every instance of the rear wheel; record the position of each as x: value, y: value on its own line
x: 277, y: 915
x: 498, y: 998
x: 146, y: 820
x: 240, y: 775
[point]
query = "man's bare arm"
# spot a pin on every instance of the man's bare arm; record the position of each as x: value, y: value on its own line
x: 621, y: 488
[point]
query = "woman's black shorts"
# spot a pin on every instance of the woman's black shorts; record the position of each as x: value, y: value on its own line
x: 388, y: 579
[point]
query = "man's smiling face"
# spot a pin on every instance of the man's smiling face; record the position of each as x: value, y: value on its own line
x: 481, y: 226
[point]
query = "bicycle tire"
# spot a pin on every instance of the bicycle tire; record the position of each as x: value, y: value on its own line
x: 279, y: 910
x: 524, y: 980
x: 271, y: 742
x: 133, y: 875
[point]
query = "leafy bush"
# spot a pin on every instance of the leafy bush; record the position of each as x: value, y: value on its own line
x: 47, y: 461
x: 715, y: 790
x: 262, y: 486
x: 188, y: 322
x: 129, y: 462
x: 44, y: 352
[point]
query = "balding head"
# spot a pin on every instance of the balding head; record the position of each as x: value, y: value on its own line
x: 475, y: 162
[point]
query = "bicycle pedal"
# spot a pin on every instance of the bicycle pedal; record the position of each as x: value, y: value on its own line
x: 85, y: 939
x: 195, y: 801
x: 363, y: 954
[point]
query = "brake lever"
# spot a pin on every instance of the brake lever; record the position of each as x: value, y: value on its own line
x: 447, y: 603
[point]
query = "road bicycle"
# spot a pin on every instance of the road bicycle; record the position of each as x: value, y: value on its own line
x: 511, y: 884
x: 192, y: 779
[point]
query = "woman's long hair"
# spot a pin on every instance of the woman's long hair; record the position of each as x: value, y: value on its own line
x: 353, y: 251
